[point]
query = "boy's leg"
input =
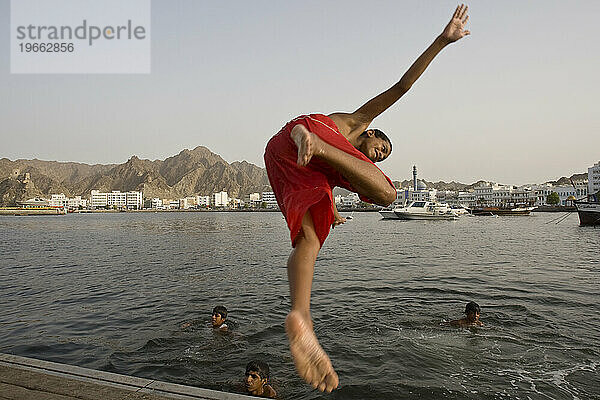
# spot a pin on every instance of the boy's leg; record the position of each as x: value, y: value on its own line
x: 311, y: 361
x: 367, y: 179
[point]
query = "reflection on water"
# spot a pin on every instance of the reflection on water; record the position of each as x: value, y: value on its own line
x: 112, y: 291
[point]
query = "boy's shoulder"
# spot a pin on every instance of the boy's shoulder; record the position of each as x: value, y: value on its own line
x: 458, y: 322
x: 464, y: 323
x: 269, y: 391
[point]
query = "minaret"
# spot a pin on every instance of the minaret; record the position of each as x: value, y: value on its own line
x: 415, y: 177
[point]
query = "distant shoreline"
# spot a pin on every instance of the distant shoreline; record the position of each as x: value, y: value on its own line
x: 267, y: 210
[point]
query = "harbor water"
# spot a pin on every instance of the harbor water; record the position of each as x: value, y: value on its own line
x: 132, y: 293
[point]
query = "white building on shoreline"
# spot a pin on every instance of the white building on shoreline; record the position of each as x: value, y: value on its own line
x: 350, y: 200
x: 220, y: 199
x: 417, y: 192
x: 60, y: 200
x: 203, y: 201
x: 188, y: 202
x: 594, y: 179
x: 567, y: 193
x: 156, y: 203
x: 253, y: 200
x: 269, y: 199
x: 495, y: 195
x: 407, y: 195
x: 116, y: 199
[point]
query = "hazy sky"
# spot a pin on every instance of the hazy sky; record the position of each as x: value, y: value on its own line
x: 516, y: 102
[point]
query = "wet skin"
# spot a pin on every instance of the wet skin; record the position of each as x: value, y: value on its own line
x: 376, y: 149
x: 254, y: 383
x: 311, y: 361
x: 217, y: 320
x: 257, y: 386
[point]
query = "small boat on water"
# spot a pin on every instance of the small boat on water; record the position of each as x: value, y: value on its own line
x: 426, y: 210
x: 460, y: 210
x: 33, y: 207
x: 589, y: 209
x: 39, y: 210
x: 589, y: 212
x: 501, y: 210
x: 388, y: 213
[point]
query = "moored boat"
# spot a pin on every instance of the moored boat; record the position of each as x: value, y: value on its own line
x: 589, y: 212
x: 460, y: 210
x: 388, y: 213
x: 426, y: 210
x: 32, y: 210
x: 33, y: 207
x: 502, y: 210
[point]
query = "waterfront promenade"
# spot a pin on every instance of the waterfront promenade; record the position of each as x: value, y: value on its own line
x: 24, y: 378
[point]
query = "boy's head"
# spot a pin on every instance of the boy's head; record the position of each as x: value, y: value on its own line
x: 472, y: 310
x: 257, y: 375
x: 219, y: 315
x: 375, y: 145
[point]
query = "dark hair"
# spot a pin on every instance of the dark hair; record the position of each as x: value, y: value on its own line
x: 379, y: 134
x: 472, y: 307
x: 259, y: 366
x: 220, y: 310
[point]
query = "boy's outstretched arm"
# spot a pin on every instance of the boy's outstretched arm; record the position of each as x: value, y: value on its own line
x: 351, y: 125
x: 337, y: 218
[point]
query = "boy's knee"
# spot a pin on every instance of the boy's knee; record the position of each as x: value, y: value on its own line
x: 386, y: 196
x: 390, y: 196
x: 308, y: 237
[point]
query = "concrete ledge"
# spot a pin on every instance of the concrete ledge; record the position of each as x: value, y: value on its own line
x: 25, y: 378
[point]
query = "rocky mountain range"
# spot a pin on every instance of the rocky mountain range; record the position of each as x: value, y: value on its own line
x: 191, y: 172
x: 197, y: 171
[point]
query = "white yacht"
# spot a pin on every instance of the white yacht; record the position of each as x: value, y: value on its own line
x: 426, y: 210
x: 388, y: 212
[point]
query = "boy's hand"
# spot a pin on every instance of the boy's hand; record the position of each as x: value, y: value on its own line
x: 455, y: 28
x: 338, y: 220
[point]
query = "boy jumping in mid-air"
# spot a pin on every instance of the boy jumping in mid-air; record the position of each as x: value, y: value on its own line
x: 305, y: 160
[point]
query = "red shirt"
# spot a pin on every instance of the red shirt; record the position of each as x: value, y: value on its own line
x: 299, y: 189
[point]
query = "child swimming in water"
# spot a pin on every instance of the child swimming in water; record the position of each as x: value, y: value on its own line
x: 256, y: 378
x: 472, y: 310
x: 219, y: 315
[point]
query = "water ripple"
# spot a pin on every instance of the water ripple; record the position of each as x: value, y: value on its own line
x: 115, y: 292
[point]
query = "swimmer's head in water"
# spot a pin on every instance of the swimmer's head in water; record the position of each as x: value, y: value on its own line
x: 257, y: 375
x: 258, y: 366
x: 472, y: 307
x: 472, y: 310
x: 375, y: 145
x: 219, y: 315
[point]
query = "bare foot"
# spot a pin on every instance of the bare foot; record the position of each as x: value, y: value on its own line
x: 312, y: 363
x: 307, y: 143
